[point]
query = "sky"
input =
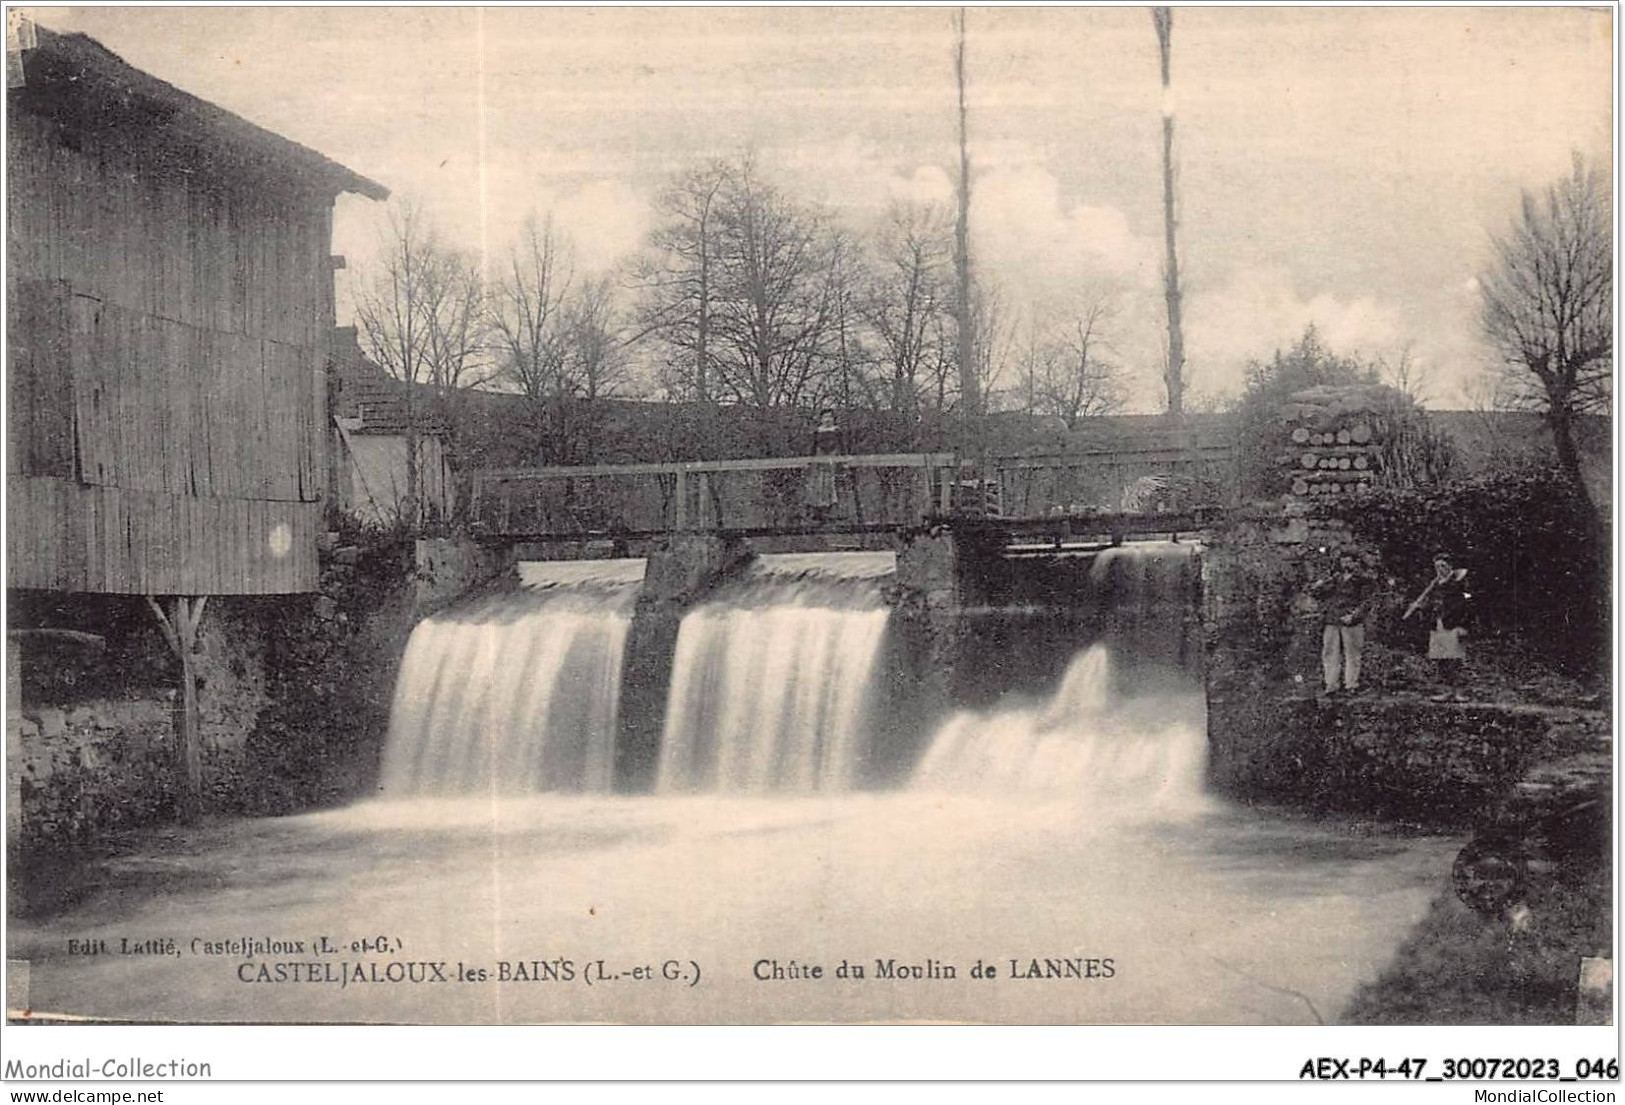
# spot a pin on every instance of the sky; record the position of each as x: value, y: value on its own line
x: 1340, y: 166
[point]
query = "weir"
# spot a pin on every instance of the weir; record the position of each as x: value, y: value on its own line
x: 993, y: 669
x: 773, y: 678
x: 1080, y: 678
x: 518, y: 691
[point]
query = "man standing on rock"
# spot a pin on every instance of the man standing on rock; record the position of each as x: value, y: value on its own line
x: 1344, y: 596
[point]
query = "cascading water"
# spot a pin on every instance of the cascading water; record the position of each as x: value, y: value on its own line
x: 1113, y: 733
x: 772, y: 678
x: 1009, y: 841
x: 1086, y: 744
x: 517, y: 692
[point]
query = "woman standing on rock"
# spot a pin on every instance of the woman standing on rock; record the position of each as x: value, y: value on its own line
x: 1445, y: 601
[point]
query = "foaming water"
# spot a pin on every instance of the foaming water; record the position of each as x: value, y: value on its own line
x: 517, y: 692
x: 1057, y: 828
x: 772, y: 679
x: 1087, y: 744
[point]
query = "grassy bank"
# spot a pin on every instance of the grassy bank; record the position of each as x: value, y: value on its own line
x: 1459, y: 967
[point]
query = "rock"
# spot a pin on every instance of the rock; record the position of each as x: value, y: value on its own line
x: 326, y: 609
x: 1594, y: 1002
x: 327, y: 542
x: 52, y: 723
x: 348, y: 555
x: 1295, y: 532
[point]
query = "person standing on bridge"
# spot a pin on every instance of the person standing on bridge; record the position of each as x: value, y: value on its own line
x: 1344, y: 597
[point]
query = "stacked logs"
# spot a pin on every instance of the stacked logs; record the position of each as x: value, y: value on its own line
x: 1335, y: 438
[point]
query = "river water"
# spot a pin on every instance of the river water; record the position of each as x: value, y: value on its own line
x: 1050, y: 858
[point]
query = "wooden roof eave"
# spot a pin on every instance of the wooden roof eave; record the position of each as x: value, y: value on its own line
x: 82, y: 84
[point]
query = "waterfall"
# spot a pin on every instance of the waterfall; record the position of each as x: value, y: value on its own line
x: 1124, y: 724
x: 1085, y: 743
x: 772, y: 678
x: 517, y: 692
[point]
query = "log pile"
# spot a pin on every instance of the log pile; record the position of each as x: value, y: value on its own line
x: 1334, y: 437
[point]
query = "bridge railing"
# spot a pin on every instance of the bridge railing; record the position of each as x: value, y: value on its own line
x: 852, y: 493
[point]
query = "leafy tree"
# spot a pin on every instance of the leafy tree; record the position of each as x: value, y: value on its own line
x: 1309, y: 363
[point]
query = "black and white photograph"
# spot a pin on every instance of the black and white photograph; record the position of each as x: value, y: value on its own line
x: 671, y: 516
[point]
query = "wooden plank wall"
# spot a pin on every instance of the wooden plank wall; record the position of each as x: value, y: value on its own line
x: 64, y: 536
x: 163, y: 406
x: 159, y: 242
x: 39, y: 392
x: 168, y: 336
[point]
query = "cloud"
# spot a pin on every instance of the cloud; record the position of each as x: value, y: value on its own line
x: 1046, y: 249
x: 926, y: 184
x: 606, y: 219
x: 1260, y: 309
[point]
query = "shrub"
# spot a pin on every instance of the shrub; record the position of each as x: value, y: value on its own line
x: 1526, y: 539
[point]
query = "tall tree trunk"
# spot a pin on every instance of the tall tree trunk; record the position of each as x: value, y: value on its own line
x: 414, y: 493
x: 703, y: 321
x: 969, y: 391
x: 1174, y: 372
x: 180, y: 624
x: 1561, y: 422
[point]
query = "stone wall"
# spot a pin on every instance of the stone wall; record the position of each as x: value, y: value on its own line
x: 232, y: 693
x: 293, y: 700
x: 447, y: 568
x: 99, y: 761
x: 1407, y: 759
x: 87, y: 769
x: 678, y: 574
x: 331, y: 661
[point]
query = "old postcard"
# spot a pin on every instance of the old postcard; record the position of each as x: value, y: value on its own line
x: 674, y: 516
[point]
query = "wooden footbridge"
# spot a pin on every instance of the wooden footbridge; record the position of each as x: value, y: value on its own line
x: 1107, y: 492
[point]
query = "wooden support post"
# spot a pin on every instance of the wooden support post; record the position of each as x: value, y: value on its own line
x: 180, y: 628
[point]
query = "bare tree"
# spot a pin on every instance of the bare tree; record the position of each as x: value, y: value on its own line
x: 530, y: 331
x: 1548, y: 305
x: 772, y: 307
x: 847, y: 384
x: 595, y: 362
x: 1407, y: 376
x: 995, y: 335
x: 418, y: 311
x: 1036, y: 360
x: 907, y: 300
x: 457, y: 337
x: 1079, y: 379
x: 677, y: 276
